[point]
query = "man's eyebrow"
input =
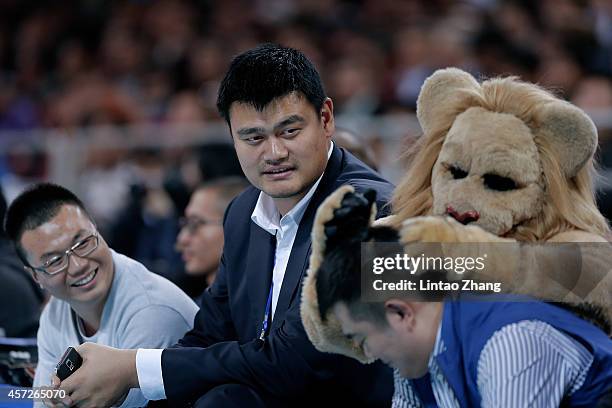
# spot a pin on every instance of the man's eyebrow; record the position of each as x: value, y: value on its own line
x: 59, y: 252
x: 289, y: 121
x: 251, y: 131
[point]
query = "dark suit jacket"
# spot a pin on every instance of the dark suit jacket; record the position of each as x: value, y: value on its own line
x: 223, y: 346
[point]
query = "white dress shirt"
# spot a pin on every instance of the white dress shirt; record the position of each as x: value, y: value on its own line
x: 265, y: 215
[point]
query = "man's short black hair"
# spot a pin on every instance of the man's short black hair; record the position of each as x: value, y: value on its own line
x: 267, y: 72
x: 35, y: 206
x: 339, y: 278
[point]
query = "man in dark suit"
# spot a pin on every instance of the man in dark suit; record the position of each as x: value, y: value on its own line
x: 248, y: 347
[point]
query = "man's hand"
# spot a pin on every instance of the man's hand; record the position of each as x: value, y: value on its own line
x: 104, y: 378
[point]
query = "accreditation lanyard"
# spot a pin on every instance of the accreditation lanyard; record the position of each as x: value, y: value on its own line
x: 266, y: 318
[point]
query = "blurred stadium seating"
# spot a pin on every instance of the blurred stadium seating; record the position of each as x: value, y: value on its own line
x: 102, y: 95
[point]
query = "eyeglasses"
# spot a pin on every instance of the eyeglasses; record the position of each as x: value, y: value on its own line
x: 60, y: 263
x: 191, y: 224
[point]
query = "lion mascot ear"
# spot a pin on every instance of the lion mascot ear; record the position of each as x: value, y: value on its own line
x: 442, y: 96
x: 570, y: 132
x: 344, y: 215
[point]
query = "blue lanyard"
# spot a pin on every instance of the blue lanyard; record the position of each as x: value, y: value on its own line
x: 266, y: 319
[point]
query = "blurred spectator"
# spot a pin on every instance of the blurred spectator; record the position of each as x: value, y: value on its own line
x: 21, y: 299
x: 594, y: 94
x: 205, y: 163
x: 25, y: 163
x: 218, y: 160
x: 200, y: 240
x: 411, y: 54
x: 354, y: 88
x: 185, y: 108
x: 354, y: 144
x: 146, y: 226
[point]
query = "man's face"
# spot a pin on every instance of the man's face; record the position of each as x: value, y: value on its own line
x: 282, y: 149
x: 87, y: 280
x: 395, y: 346
x: 201, y: 239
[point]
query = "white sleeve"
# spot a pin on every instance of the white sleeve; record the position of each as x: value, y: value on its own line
x: 150, y: 379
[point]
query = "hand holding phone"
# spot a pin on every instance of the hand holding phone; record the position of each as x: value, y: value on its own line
x: 71, y: 360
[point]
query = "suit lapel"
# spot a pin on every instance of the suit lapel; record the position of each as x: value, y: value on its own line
x: 260, y: 262
x: 298, y: 260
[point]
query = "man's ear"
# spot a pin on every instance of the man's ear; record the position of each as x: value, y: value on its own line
x: 400, y: 314
x: 34, y: 275
x: 28, y: 268
x: 327, y: 117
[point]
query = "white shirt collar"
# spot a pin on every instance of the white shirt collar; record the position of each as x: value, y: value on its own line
x: 266, y: 215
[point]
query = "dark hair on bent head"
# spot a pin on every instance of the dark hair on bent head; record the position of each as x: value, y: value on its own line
x: 35, y: 206
x: 339, y: 277
x: 267, y: 72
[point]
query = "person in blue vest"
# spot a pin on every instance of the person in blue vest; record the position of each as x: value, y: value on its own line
x: 458, y: 353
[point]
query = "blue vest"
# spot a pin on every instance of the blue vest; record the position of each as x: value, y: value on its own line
x: 468, y: 325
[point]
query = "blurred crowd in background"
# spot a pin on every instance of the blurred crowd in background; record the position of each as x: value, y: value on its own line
x: 80, y: 63
x: 116, y: 99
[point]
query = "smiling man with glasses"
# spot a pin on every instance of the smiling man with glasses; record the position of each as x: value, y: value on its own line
x: 97, y: 295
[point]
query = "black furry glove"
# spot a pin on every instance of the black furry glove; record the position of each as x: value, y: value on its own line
x: 351, y: 221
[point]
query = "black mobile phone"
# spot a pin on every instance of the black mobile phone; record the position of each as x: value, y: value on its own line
x: 71, y: 360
